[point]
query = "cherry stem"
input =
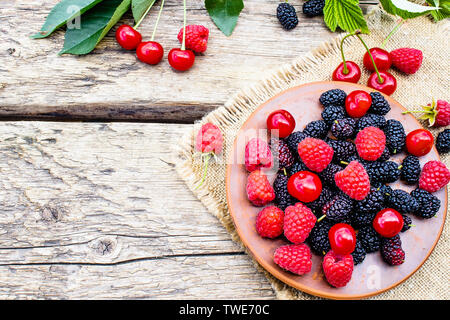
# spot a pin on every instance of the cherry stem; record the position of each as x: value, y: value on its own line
x: 205, y: 170
x: 380, y: 79
x: 393, y: 31
x: 144, y: 15
x: 345, y: 71
x: 183, y: 45
x: 157, y: 20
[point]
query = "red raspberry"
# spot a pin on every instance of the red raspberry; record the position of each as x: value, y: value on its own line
x: 295, y: 258
x: 269, y: 222
x: 298, y: 222
x: 407, y: 60
x: 257, y: 155
x: 370, y: 143
x: 434, y: 176
x: 353, y: 180
x: 209, y: 139
x: 316, y: 154
x: 442, y: 114
x: 259, y: 190
x: 338, y: 269
x: 196, y: 37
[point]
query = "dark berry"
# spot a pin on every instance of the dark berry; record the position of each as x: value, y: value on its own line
x: 333, y: 97
x: 294, y: 139
x: 372, y: 203
x: 282, y: 154
x: 410, y: 170
x: 429, y: 204
x: 287, y: 16
x: 296, y: 167
x: 370, y: 120
x: 316, y: 206
x: 369, y: 238
x: 317, y: 129
x: 402, y: 201
x: 395, y: 136
x: 339, y: 208
x: 385, y: 189
x: 344, y: 128
x: 384, y: 172
x: 379, y: 104
x: 407, y: 223
x: 332, y: 113
x: 318, y: 237
x: 343, y: 150
x: 359, y: 219
x: 327, y: 175
x: 385, y: 156
x: 391, y: 250
x: 443, y: 141
x: 282, y: 197
x: 359, y: 254
x: 313, y: 8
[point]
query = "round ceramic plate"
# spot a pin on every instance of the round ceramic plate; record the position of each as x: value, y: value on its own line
x: 373, y: 275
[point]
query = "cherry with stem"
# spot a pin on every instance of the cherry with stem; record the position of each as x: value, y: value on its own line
x: 347, y: 71
x: 151, y: 52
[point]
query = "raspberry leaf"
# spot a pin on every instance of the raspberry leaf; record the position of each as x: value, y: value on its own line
x: 224, y: 13
x: 345, y: 14
x: 406, y: 9
x: 95, y: 25
x: 139, y: 7
x: 64, y: 11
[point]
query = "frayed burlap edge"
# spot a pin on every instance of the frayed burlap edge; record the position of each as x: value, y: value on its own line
x: 233, y: 114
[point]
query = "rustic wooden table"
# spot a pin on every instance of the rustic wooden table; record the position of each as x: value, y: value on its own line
x: 94, y: 209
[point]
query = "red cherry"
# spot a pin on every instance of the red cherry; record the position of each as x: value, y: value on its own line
x: 150, y: 52
x: 305, y: 186
x: 419, y: 142
x: 181, y: 60
x: 381, y: 57
x: 388, y: 222
x: 357, y: 103
x: 353, y: 72
x: 127, y: 37
x: 388, y: 86
x: 342, y: 238
x: 282, y: 121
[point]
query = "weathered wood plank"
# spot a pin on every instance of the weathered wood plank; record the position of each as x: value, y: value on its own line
x: 95, y: 210
x: 111, y: 84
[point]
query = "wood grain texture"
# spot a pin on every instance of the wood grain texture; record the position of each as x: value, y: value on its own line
x: 95, y: 210
x: 110, y: 83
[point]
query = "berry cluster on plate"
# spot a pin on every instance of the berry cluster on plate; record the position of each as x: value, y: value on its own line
x: 331, y: 195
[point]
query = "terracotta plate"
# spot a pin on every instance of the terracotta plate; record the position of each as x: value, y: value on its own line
x: 371, y: 277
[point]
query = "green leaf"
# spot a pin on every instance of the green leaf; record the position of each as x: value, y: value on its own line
x: 224, y: 13
x: 443, y: 12
x: 406, y: 9
x: 94, y: 26
x: 64, y: 11
x: 139, y: 7
x: 345, y: 14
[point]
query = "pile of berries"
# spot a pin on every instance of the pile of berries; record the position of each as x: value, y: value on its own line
x: 331, y: 195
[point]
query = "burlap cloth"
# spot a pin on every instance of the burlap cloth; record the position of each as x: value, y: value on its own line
x: 431, y: 281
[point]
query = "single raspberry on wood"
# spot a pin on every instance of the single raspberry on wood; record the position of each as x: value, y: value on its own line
x: 353, y: 181
x: 434, y: 176
x: 407, y: 60
x: 338, y: 269
x: 316, y: 154
x: 257, y: 155
x: 298, y: 222
x: 209, y: 139
x: 259, y: 190
x: 269, y: 222
x: 295, y: 258
x: 370, y: 143
x: 196, y: 38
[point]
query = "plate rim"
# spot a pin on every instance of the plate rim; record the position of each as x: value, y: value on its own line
x: 279, y: 274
